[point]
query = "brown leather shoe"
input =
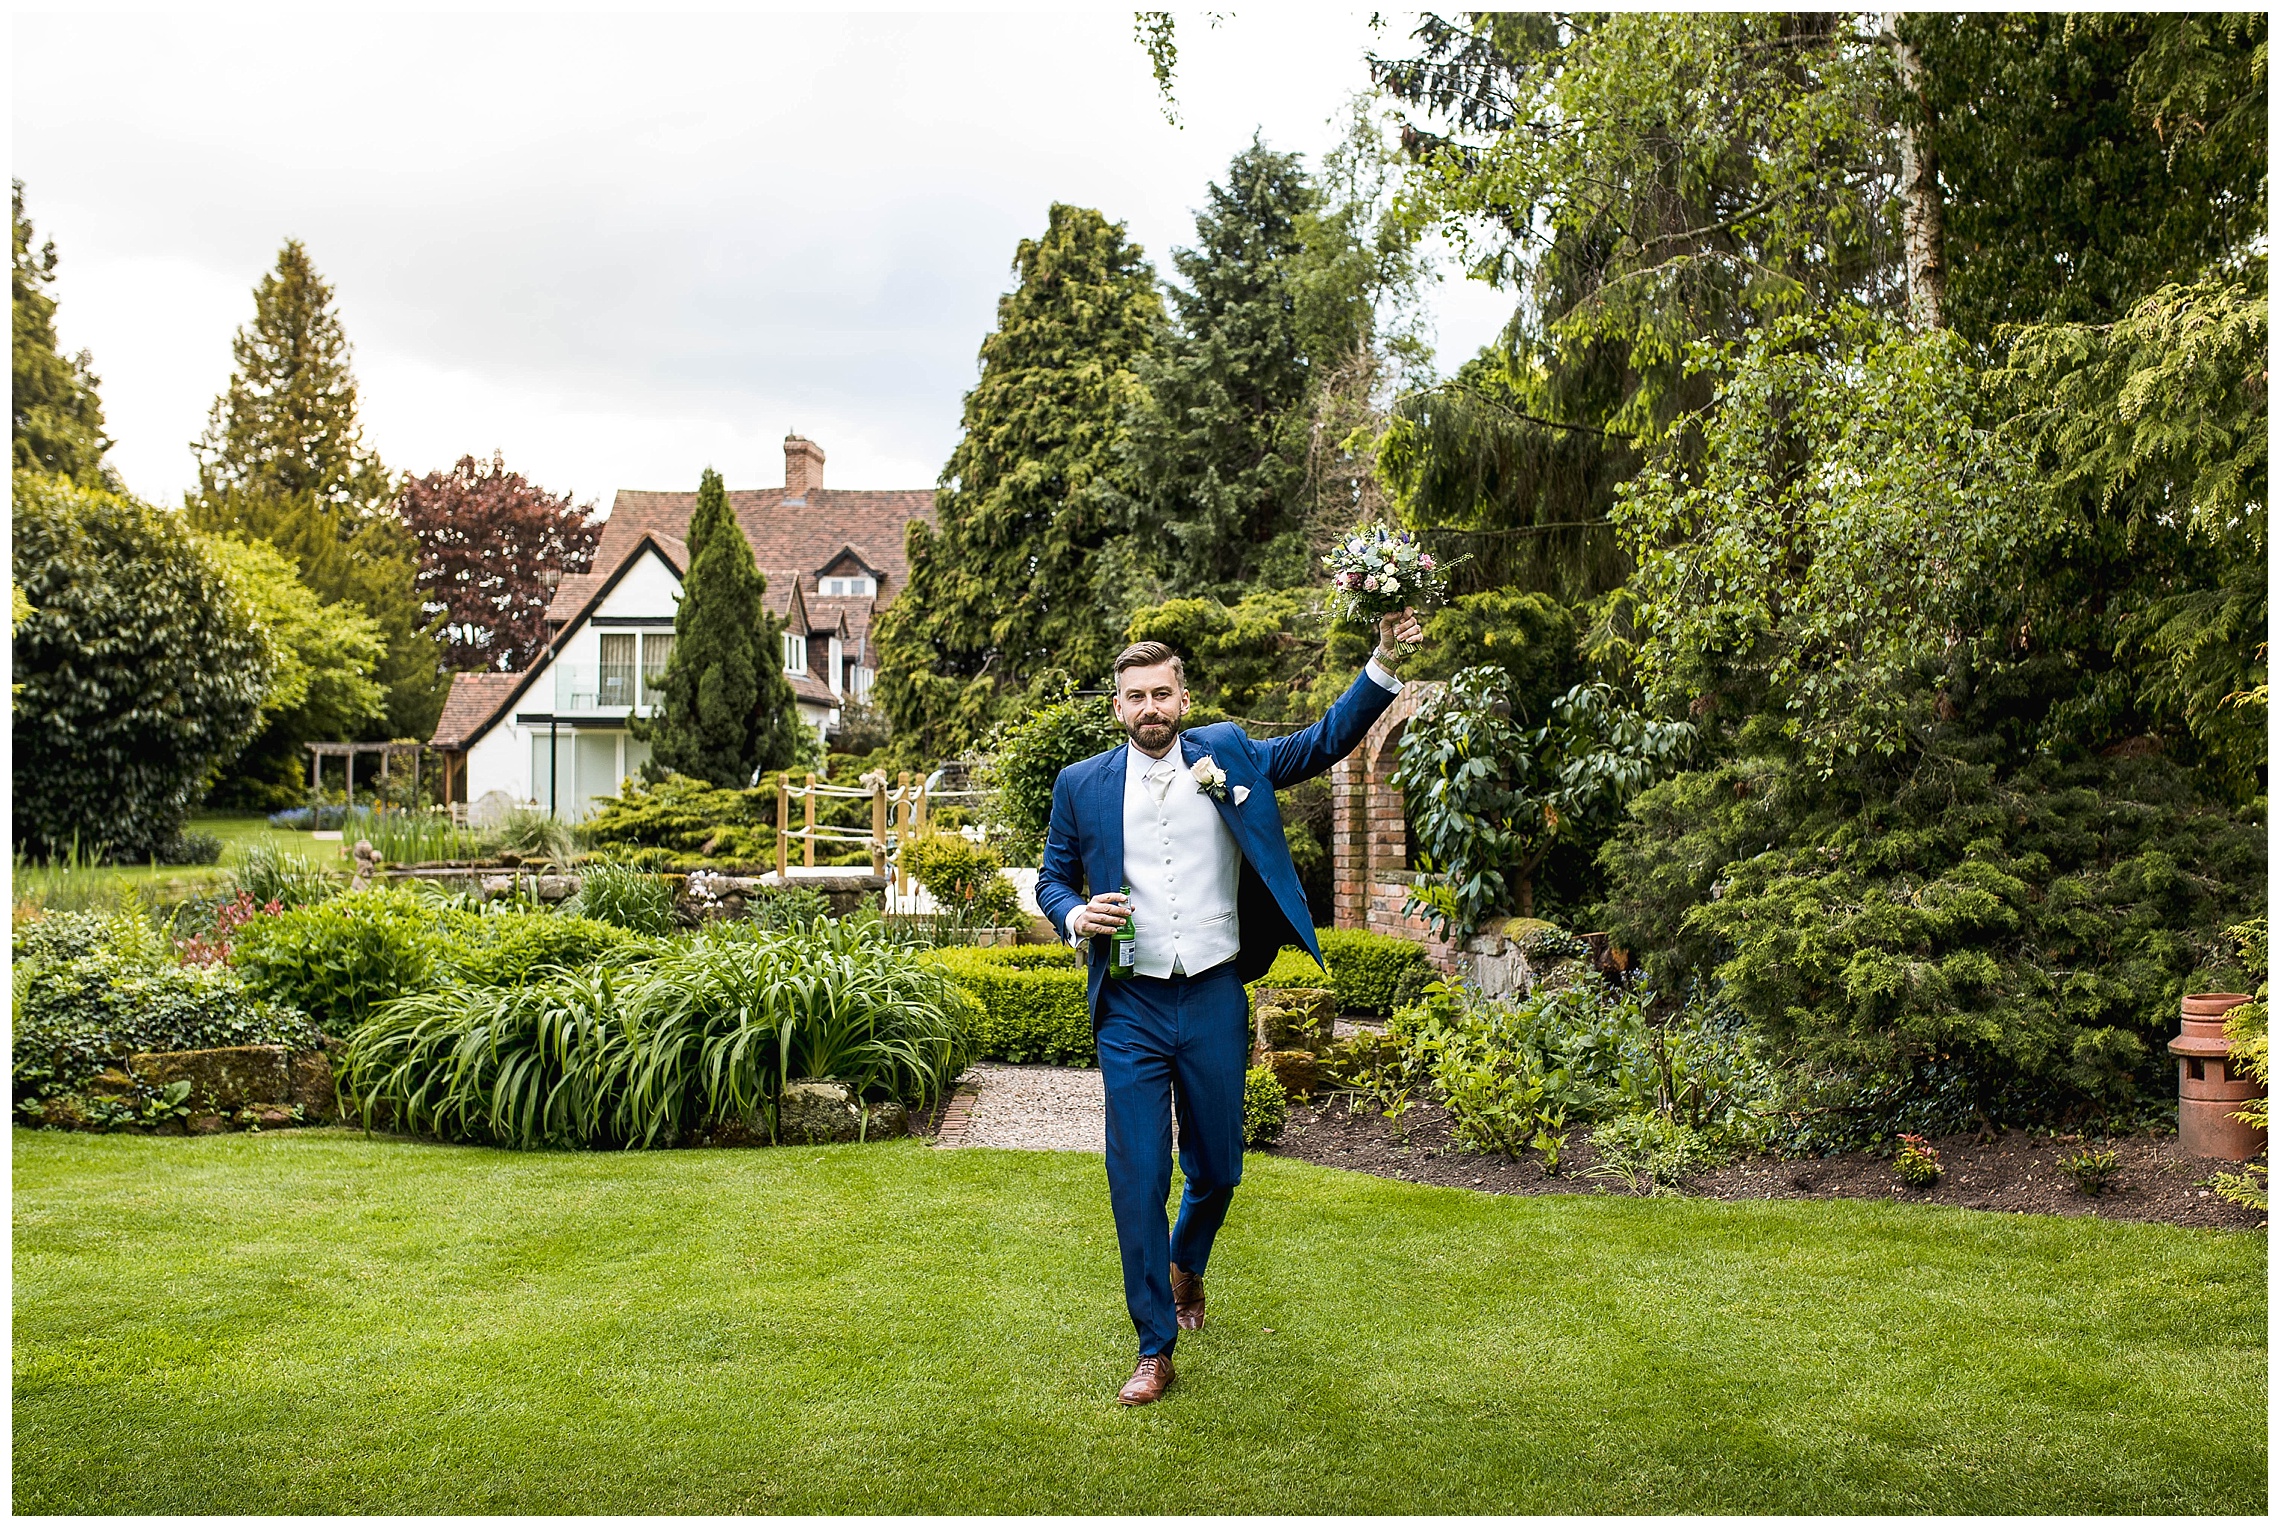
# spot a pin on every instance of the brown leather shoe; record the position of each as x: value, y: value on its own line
x: 1150, y: 1379
x: 1187, y: 1298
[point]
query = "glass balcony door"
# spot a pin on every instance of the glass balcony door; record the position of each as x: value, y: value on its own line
x: 616, y: 678
x: 656, y: 652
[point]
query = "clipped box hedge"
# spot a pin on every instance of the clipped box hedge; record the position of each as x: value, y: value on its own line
x: 1032, y: 998
x: 1374, y: 973
x: 1371, y: 973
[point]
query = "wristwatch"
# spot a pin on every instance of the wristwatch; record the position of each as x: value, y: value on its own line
x: 1386, y: 660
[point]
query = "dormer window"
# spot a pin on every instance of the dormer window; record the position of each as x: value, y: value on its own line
x: 795, y: 653
x: 862, y: 584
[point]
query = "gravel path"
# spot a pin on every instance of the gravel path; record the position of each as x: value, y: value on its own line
x: 1033, y: 1108
x: 1038, y: 1108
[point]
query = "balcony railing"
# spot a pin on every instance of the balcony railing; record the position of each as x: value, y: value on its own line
x: 587, y: 690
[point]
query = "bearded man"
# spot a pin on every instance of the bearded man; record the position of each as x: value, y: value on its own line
x: 1188, y: 820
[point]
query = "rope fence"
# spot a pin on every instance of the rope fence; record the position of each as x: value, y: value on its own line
x: 898, y: 814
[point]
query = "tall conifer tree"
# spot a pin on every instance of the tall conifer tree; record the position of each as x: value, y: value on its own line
x: 1004, y: 587
x: 284, y: 459
x: 287, y: 423
x: 55, y: 420
x: 728, y: 711
x: 1217, y: 452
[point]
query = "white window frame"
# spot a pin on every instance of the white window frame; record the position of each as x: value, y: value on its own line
x: 795, y: 653
x: 849, y: 588
x: 838, y: 666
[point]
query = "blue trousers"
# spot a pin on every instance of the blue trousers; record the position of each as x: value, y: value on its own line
x: 1166, y: 1043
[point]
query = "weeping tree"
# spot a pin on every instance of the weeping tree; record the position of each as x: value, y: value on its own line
x: 1639, y: 182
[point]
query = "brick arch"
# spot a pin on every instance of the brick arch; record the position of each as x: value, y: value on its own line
x: 1369, y: 834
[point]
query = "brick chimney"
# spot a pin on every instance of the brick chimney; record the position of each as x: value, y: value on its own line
x: 803, y: 465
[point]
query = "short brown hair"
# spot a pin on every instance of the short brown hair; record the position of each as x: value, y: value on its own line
x: 1147, y: 655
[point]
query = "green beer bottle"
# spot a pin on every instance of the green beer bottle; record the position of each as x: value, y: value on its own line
x: 1124, y: 944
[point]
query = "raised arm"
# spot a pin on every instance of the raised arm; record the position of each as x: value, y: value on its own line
x: 1310, y: 751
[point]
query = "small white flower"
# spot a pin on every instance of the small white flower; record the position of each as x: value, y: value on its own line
x: 1209, y: 777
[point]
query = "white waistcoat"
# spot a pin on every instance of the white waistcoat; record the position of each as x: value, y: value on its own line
x: 1183, y: 867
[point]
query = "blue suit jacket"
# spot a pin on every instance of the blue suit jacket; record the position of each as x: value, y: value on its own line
x: 1084, y: 847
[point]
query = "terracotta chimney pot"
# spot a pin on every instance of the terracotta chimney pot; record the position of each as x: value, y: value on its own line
x: 2209, y: 1091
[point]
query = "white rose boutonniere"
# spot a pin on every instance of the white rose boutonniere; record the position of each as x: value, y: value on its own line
x: 1209, y: 777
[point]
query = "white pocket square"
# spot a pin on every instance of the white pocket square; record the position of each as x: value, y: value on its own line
x: 1242, y: 794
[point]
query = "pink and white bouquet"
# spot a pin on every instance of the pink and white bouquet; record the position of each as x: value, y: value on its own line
x: 1375, y: 572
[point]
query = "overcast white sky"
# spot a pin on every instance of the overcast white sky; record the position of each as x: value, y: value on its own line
x: 620, y: 248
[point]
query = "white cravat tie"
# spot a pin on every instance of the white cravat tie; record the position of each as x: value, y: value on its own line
x: 1159, y: 778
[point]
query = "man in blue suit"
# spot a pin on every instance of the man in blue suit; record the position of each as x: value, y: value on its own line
x: 1188, y: 820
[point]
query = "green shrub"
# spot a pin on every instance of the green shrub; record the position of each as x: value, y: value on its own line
x: 338, y: 960
x: 1651, y: 1152
x: 1916, y: 1164
x: 1027, y: 756
x: 689, y: 817
x: 1031, y: 1000
x: 2249, y: 1028
x: 60, y: 936
x: 1373, y: 972
x: 1266, y: 1107
x: 2092, y: 1170
x: 189, y: 849
x: 515, y: 947
x: 707, y: 1032
x: 1518, y: 1075
x: 1549, y: 946
x: 534, y: 837
x: 1293, y: 967
x: 1370, y: 973
x: 75, y: 1017
x: 623, y: 896
x: 2028, y: 931
x: 138, y: 672
x: 964, y: 879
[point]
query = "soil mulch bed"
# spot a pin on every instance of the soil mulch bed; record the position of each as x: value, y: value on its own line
x: 2010, y: 1171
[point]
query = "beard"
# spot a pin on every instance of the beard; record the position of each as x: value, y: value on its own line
x: 1153, y: 731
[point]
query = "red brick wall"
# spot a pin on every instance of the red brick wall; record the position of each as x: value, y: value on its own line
x: 1369, y: 836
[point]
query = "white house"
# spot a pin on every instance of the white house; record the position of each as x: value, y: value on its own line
x: 555, y: 735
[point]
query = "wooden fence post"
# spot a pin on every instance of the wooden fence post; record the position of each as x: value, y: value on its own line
x: 902, y: 800
x: 879, y: 824
x: 783, y: 826
x: 809, y: 847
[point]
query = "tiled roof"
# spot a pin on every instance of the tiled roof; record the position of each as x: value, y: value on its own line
x: 777, y: 597
x: 474, y: 699
x: 827, y: 610
x: 803, y: 533
x: 810, y: 687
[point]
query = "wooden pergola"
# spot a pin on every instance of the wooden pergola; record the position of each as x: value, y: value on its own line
x: 347, y: 752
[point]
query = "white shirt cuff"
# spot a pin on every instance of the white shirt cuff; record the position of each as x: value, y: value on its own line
x: 1069, y: 926
x: 1381, y: 676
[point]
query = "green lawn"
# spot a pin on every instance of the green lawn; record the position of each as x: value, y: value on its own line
x: 317, y: 1322
x: 171, y: 883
